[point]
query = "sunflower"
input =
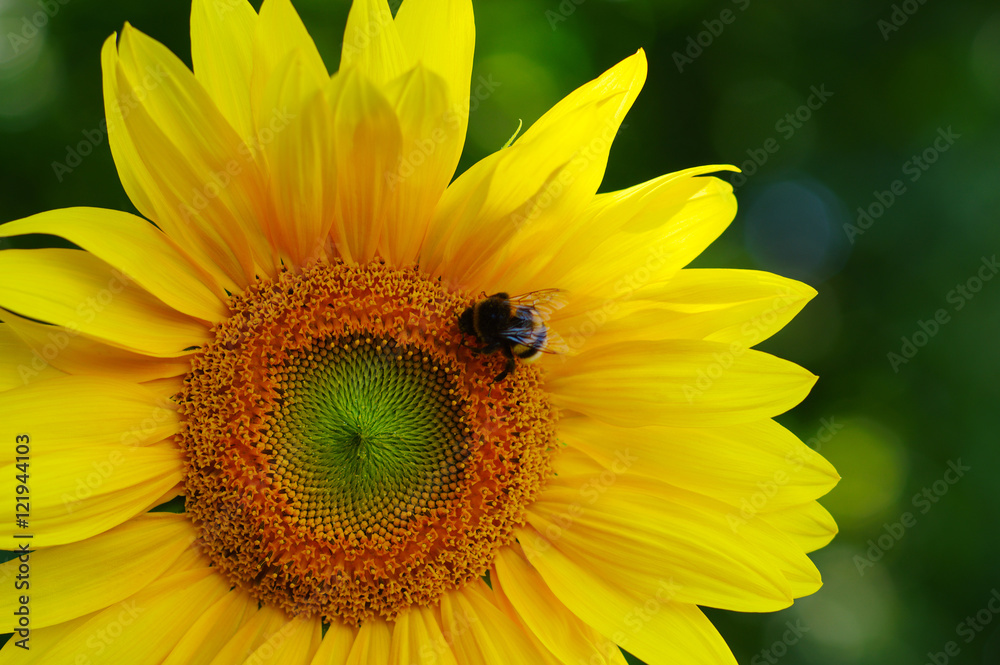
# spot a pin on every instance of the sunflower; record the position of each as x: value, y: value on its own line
x: 254, y: 429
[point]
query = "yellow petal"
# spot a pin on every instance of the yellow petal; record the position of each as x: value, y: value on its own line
x: 544, y: 655
x: 503, y: 194
x: 222, y: 35
x: 417, y: 637
x: 171, y: 494
x: 367, y: 142
x: 58, y: 348
x: 371, y: 43
x: 624, y: 240
x: 19, y: 363
x: 204, y: 174
x: 480, y: 631
x: 294, y: 644
x: 430, y: 137
x: 165, y: 389
x: 786, y: 550
x: 74, y: 289
x: 136, y: 248
x: 300, y: 156
x: 39, y: 641
x: 213, y: 629
x: 678, y: 383
x: 636, y: 534
x: 625, y: 77
x: 441, y: 35
x: 562, y: 633
x: 74, y: 412
x: 336, y: 646
x: 714, y: 555
x: 744, y: 306
x: 263, y: 627
x: 371, y: 644
x: 144, y: 183
x: 646, y: 622
x: 611, y: 95
x: 810, y: 525
x: 136, y: 179
x: 191, y: 559
x: 747, y: 306
x: 73, y: 580
x: 754, y: 467
x: 88, y: 491
x: 144, y: 627
x: 280, y: 33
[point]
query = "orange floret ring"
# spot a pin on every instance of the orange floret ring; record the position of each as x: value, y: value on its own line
x: 347, y: 455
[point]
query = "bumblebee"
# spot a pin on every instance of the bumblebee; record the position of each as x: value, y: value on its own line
x: 514, y: 325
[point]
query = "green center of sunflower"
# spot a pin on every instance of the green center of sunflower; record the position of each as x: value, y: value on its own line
x: 371, y: 433
x: 347, y: 454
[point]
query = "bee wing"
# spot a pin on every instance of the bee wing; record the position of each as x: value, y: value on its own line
x: 542, y: 302
x: 534, y: 309
x: 554, y: 343
x: 539, y: 337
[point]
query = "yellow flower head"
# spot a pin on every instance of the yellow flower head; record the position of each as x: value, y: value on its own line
x: 327, y: 348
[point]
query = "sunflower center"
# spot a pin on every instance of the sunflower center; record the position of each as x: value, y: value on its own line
x: 371, y: 433
x: 347, y: 455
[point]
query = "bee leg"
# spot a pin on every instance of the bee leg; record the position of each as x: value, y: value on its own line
x: 508, y: 368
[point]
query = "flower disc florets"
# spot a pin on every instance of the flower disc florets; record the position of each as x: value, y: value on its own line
x: 347, y: 455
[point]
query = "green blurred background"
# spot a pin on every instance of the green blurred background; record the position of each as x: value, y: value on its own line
x: 910, y: 92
